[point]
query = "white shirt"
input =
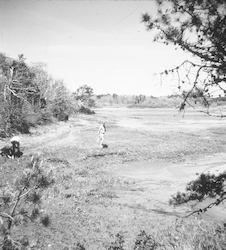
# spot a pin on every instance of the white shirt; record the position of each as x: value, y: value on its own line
x: 102, y: 129
x: 15, y: 138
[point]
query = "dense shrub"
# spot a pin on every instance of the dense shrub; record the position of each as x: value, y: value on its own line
x: 21, y: 204
x: 145, y: 242
x: 118, y: 243
x: 86, y: 111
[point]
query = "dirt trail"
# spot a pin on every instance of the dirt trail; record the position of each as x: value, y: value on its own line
x: 56, y: 136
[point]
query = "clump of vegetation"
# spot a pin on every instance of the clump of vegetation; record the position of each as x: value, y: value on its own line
x: 118, y: 244
x: 145, y: 242
x: 79, y: 246
x: 206, y: 186
x: 84, y: 97
x: 20, y: 203
x: 180, y: 234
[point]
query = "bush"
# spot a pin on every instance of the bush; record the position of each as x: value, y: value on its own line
x: 62, y: 117
x: 21, y: 204
x: 118, y: 244
x: 145, y: 242
x: 45, y: 117
x: 180, y: 234
x: 86, y: 111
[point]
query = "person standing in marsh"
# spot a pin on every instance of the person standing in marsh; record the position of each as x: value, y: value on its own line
x: 101, y: 132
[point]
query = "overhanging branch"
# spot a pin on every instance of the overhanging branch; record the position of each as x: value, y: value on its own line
x: 202, y: 210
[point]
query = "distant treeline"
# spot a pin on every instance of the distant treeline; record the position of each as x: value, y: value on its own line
x: 134, y: 101
x: 142, y: 101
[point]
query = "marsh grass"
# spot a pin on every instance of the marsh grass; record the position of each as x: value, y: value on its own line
x: 186, y: 234
x: 93, y: 207
x: 181, y: 234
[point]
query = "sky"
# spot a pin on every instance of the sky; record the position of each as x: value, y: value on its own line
x: 102, y: 44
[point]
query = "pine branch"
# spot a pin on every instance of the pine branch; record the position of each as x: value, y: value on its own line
x: 202, y: 210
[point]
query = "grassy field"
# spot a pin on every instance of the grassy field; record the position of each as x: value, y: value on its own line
x: 124, y: 188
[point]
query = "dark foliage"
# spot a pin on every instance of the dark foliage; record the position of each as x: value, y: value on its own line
x: 62, y: 117
x: 118, y: 244
x: 79, y: 246
x: 145, y: 242
x: 206, y: 186
x: 21, y: 204
x: 86, y: 111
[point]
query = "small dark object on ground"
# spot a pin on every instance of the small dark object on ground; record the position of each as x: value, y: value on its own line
x: 104, y: 146
x: 18, y: 154
x: 8, y: 152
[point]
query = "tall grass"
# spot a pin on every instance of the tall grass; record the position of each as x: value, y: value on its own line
x: 181, y: 234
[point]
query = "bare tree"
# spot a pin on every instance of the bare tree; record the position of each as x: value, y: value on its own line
x: 18, y: 92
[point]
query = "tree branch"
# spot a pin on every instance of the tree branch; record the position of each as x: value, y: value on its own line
x: 209, y: 114
x: 201, y: 210
x: 6, y: 216
x: 20, y: 97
